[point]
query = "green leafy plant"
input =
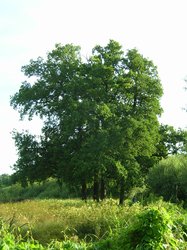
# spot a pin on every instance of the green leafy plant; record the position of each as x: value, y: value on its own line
x: 154, y: 230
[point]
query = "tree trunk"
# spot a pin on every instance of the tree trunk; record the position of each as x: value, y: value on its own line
x: 96, y: 188
x: 122, y: 191
x: 102, y: 189
x: 84, y: 190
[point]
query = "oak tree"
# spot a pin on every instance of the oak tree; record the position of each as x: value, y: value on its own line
x: 100, y: 115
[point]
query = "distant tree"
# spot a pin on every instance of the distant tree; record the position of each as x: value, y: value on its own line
x: 99, y: 116
x: 25, y: 166
x: 5, y: 180
x: 172, y: 141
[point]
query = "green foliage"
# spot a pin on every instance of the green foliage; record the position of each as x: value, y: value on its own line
x: 99, y: 116
x: 5, y: 180
x: 154, y: 228
x: 74, y: 224
x: 168, y: 178
x: 11, y: 241
x: 151, y: 230
x: 171, y: 141
x: 47, y: 190
x: 27, y: 146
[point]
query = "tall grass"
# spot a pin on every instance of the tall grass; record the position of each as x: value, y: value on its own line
x: 74, y: 224
x: 75, y: 220
x: 53, y: 219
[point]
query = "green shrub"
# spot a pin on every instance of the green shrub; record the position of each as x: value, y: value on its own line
x: 152, y: 229
x: 168, y: 178
x: 47, y: 190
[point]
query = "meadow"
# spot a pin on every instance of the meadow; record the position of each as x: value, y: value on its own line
x: 73, y: 218
x: 74, y: 224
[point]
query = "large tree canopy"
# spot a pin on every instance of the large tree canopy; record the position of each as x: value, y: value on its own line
x: 100, y: 114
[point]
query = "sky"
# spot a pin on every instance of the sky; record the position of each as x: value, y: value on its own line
x: 31, y: 28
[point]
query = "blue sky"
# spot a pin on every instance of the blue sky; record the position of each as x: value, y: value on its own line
x: 30, y: 28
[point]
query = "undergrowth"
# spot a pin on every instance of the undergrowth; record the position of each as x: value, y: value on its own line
x: 73, y: 224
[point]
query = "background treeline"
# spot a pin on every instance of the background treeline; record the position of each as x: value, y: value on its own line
x: 167, y: 179
x: 100, y: 121
x: 13, y: 192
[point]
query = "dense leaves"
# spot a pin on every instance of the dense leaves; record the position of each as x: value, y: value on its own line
x: 168, y: 179
x: 100, y: 116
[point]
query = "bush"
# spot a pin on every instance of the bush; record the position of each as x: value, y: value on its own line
x: 153, y: 229
x: 169, y: 178
x: 46, y: 190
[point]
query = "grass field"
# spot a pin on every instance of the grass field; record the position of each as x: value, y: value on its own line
x: 93, y: 223
x: 57, y: 219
